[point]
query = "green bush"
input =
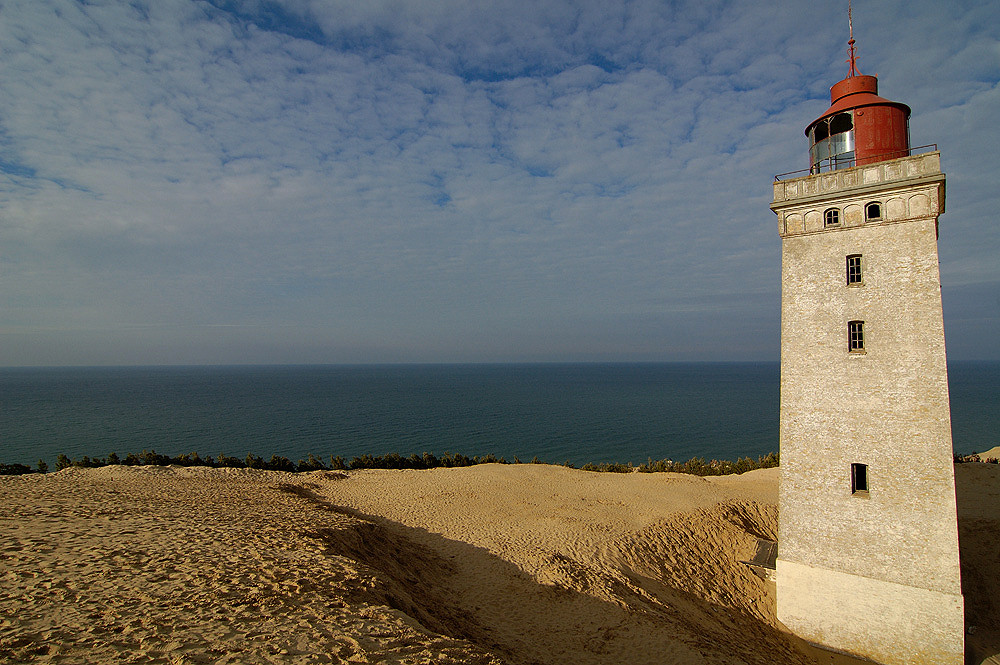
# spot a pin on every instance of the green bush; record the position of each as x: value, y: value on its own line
x: 699, y: 467
x: 226, y: 461
x: 254, y: 462
x: 695, y: 465
x: 311, y: 464
x: 277, y: 463
x: 153, y: 458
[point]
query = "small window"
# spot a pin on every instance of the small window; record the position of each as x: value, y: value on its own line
x: 859, y: 478
x: 831, y: 217
x: 873, y: 211
x: 854, y: 270
x: 856, y: 336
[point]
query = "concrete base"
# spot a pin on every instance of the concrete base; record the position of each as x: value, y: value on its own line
x: 886, y: 622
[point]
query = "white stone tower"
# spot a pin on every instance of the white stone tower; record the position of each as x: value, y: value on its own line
x: 868, y: 559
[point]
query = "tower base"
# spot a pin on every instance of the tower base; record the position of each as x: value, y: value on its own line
x: 889, y: 623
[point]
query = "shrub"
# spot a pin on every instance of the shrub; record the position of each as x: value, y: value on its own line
x: 192, y: 459
x: 311, y: 464
x: 695, y: 465
x: 254, y: 462
x: 608, y: 467
x: 277, y: 463
x: 153, y: 458
x: 225, y: 460
x: 87, y: 463
x: 14, y: 469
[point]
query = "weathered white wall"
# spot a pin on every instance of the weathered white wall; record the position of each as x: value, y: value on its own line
x: 890, y: 623
x: 887, y: 408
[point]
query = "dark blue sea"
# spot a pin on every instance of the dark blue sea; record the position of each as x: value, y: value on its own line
x: 558, y: 412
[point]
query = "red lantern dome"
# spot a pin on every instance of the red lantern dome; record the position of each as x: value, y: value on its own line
x: 859, y: 127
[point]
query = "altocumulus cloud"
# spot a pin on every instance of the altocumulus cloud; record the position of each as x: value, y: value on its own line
x: 321, y: 181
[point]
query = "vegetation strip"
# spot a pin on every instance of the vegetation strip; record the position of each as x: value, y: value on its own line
x: 696, y: 465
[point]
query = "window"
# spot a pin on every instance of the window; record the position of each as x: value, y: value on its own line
x: 873, y: 211
x: 831, y: 217
x: 854, y: 270
x: 821, y: 131
x: 840, y: 123
x: 832, y: 143
x: 859, y: 478
x: 856, y: 336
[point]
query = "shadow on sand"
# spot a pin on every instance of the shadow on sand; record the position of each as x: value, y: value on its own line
x: 590, y: 616
x: 587, y: 616
x: 977, y: 491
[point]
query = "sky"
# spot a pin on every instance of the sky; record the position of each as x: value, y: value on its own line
x: 320, y: 181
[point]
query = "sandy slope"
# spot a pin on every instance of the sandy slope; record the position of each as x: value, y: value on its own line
x: 487, y: 564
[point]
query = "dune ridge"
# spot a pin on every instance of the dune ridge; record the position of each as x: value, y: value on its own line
x: 517, y: 564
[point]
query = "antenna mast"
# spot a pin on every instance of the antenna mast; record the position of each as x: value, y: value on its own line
x: 851, y: 57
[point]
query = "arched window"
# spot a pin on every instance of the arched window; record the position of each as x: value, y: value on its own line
x: 873, y: 211
x: 831, y: 217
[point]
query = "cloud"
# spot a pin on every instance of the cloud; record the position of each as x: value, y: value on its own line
x: 438, y: 180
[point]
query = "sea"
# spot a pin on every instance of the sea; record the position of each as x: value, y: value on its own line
x: 557, y: 413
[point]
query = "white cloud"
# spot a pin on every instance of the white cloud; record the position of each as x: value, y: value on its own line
x: 434, y: 181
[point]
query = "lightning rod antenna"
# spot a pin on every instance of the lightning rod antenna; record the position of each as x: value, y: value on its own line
x: 851, y: 57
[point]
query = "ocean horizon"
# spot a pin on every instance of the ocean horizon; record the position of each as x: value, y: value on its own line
x: 557, y: 412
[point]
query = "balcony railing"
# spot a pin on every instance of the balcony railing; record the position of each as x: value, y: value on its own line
x: 835, y: 164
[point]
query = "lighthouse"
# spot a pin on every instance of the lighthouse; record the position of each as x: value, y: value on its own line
x: 868, y: 558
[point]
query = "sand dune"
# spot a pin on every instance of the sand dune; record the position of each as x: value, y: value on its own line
x: 515, y: 564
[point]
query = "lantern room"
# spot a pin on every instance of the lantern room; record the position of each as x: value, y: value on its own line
x: 859, y: 127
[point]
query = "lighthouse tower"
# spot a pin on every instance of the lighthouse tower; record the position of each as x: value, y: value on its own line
x: 868, y: 559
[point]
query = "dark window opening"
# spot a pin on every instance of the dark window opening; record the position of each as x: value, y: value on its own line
x: 820, y: 132
x: 832, y: 143
x: 841, y: 123
x: 854, y: 269
x: 859, y: 478
x: 856, y: 336
x: 873, y: 211
x: 831, y: 217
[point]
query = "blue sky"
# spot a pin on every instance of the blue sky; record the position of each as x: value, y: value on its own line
x: 316, y: 181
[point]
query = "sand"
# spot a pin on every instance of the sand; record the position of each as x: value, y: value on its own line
x: 992, y: 453
x: 517, y: 564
